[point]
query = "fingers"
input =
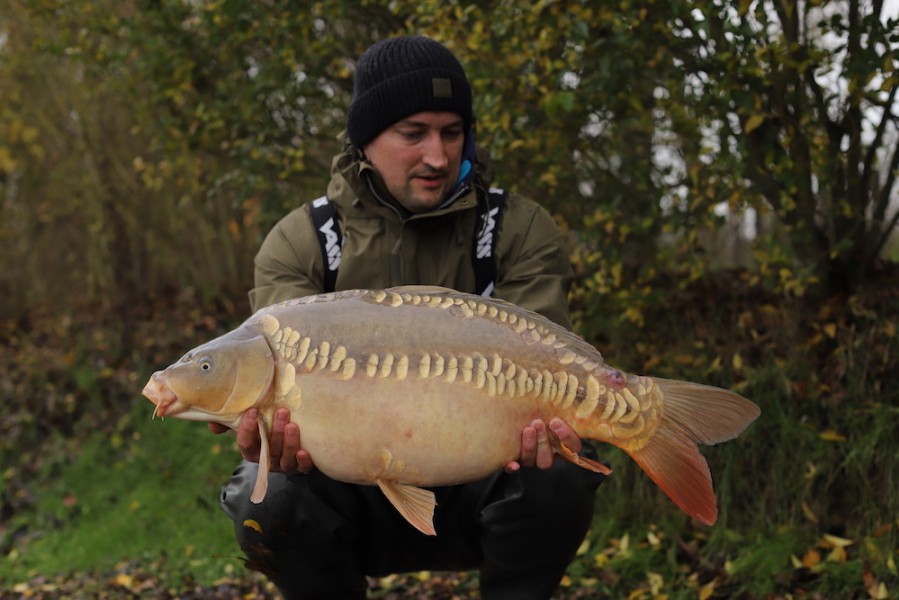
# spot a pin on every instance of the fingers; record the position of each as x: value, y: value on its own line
x: 217, y: 428
x: 536, y: 449
x: 566, y: 434
x: 304, y: 462
x: 544, y: 458
x: 512, y: 467
x: 248, y: 436
x: 290, y: 447
x: 284, y: 442
x: 528, y: 456
x: 293, y: 457
x: 276, y: 439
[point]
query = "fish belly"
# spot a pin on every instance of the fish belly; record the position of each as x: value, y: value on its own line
x: 425, y: 432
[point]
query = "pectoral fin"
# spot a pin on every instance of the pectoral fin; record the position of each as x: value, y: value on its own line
x: 414, y: 503
x: 261, y: 486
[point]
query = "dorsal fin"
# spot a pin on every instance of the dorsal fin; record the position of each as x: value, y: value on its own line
x: 421, y: 289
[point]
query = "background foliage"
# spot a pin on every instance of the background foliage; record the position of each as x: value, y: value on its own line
x: 726, y: 172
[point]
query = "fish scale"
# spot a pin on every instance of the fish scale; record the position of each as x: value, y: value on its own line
x: 413, y: 387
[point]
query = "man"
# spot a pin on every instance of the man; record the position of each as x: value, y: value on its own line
x: 407, y: 193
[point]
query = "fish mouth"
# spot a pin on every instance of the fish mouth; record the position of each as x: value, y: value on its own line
x: 160, y: 394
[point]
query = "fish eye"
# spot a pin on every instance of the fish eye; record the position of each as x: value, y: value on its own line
x: 205, y: 364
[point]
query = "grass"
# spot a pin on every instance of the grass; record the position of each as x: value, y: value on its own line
x: 148, y: 491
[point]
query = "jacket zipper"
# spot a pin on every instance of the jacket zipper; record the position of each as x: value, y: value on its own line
x: 394, y: 263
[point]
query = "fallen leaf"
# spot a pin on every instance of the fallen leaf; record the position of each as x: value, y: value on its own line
x: 878, y: 591
x: 124, y: 580
x: 832, y: 436
x: 811, y: 559
x: 656, y: 583
x: 585, y: 545
x: 837, y: 555
x: 836, y: 541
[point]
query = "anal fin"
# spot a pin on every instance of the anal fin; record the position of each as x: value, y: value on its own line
x: 414, y: 503
x: 573, y: 457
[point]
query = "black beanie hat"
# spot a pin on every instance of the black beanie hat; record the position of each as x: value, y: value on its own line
x: 401, y: 76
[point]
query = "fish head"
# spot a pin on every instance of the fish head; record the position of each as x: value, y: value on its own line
x: 217, y: 381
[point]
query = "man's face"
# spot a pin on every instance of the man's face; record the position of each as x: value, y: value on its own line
x: 419, y: 158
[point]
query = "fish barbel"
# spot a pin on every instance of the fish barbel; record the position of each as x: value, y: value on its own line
x: 413, y: 387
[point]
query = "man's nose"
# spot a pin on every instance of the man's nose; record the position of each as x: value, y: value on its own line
x: 435, y: 155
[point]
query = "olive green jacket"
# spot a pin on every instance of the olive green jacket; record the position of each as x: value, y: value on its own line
x: 382, y: 247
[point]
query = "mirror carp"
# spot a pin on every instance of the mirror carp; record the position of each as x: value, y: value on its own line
x: 412, y: 387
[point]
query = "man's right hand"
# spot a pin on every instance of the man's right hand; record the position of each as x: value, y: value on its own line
x: 284, y: 444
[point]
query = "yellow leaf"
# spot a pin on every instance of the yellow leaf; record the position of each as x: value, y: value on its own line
x: 737, y: 362
x: 879, y: 592
x: 831, y: 330
x: 706, y: 591
x: 656, y: 582
x: 837, y: 555
x: 832, y: 436
x: 585, y: 545
x: 753, y: 122
x: 253, y: 525
x: 833, y: 541
x: 811, y: 559
x: 566, y: 581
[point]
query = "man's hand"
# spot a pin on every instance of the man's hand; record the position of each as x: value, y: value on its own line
x: 284, y: 444
x: 536, y: 450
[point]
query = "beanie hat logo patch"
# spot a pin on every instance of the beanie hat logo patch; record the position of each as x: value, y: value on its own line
x: 443, y: 88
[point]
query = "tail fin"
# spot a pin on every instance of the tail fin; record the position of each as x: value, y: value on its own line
x: 693, y: 414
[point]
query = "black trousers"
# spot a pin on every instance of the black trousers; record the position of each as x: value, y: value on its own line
x: 319, y: 538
